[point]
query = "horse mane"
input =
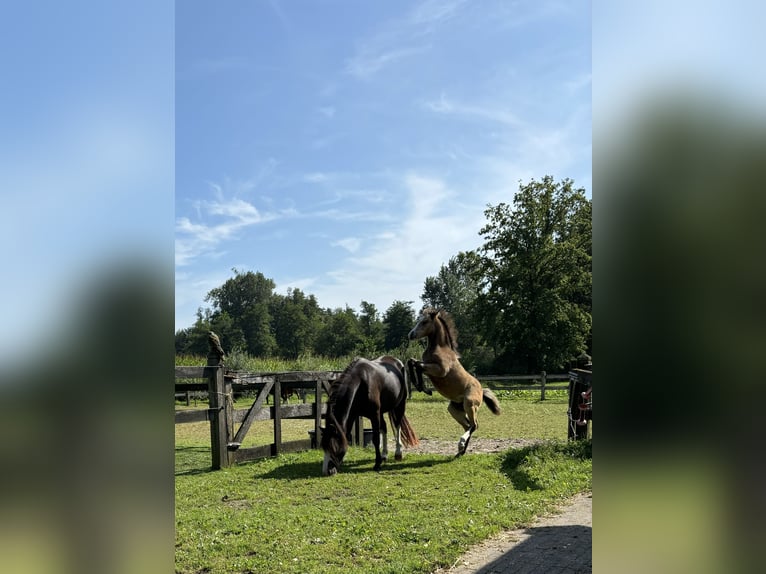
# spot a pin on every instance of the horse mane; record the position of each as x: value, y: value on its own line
x: 449, y: 325
x: 337, y: 382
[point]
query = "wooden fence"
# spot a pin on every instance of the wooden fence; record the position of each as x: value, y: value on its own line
x: 225, y: 440
x: 542, y: 382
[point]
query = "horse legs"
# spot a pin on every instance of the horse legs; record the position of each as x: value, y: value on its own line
x: 396, y: 420
x: 465, y: 414
x: 384, y: 438
x: 376, y: 432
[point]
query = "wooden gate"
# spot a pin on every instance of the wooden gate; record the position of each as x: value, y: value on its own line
x: 229, y: 426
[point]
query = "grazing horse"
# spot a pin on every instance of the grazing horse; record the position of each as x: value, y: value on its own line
x: 368, y: 389
x: 442, y: 365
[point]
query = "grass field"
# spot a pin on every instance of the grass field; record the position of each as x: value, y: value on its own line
x: 280, y: 515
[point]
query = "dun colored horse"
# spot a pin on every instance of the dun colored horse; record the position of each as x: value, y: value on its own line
x: 368, y: 389
x: 441, y: 362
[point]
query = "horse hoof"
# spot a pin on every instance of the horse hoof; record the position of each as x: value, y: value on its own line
x: 398, y: 456
x: 376, y: 468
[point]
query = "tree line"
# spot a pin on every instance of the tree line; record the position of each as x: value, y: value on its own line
x: 522, y: 301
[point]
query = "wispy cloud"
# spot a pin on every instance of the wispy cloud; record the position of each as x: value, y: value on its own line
x: 432, y: 12
x: 370, y: 60
x: 578, y: 83
x: 491, y: 113
x: 350, y: 244
x: 402, y: 38
x: 194, y: 239
x: 432, y: 228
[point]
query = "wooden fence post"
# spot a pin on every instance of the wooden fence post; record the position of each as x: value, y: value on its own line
x: 219, y: 407
x: 543, y: 379
x: 220, y: 403
x: 277, y: 417
x: 318, y: 415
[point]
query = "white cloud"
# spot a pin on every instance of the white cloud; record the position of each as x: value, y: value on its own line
x: 371, y: 60
x: 432, y: 12
x: 194, y: 239
x: 315, y: 177
x: 350, y: 244
x: 433, y: 227
x: 490, y: 113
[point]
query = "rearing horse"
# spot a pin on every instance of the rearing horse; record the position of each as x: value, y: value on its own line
x: 441, y: 362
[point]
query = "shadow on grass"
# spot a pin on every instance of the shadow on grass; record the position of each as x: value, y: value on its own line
x: 516, y: 461
x: 300, y: 470
x: 192, y: 460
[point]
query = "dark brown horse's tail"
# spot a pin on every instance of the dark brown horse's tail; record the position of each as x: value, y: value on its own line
x: 409, y: 437
x: 492, y: 402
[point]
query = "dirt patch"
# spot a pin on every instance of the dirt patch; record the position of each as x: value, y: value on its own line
x: 476, y: 446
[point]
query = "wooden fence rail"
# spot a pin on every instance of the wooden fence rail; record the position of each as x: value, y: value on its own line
x: 511, y: 382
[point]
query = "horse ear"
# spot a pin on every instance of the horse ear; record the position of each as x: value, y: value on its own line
x: 434, y: 313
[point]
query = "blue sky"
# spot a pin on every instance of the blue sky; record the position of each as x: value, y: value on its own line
x: 349, y: 149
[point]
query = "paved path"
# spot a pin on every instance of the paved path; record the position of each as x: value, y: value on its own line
x: 561, y: 543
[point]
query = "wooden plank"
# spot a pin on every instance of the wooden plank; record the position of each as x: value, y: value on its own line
x: 548, y: 387
x: 549, y: 377
x: 185, y: 387
x: 190, y: 373
x: 244, y: 379
x: 262, y: 414
x: 266, y: 451
x: 299, y: 411
x: 251, y: 453
x: 298, y: 445
x: 251, y: 414
x: 191, y: 416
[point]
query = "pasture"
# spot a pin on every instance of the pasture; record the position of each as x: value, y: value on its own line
x: 281, y: 515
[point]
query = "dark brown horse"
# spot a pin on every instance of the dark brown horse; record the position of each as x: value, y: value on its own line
x: 367, y: 389
x: 441, y: 362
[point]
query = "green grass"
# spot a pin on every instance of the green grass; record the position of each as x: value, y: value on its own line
x: 280, y: 515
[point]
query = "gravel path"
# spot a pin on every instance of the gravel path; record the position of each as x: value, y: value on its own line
x: 560, y: 543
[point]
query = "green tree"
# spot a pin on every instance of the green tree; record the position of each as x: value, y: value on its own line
x: 371, y: 330
x: 340, y: 335
x: 245, y: 299
x: 536, y: 263
x: 398, y: 321
x: 296, y: 321
x: 193, y: 340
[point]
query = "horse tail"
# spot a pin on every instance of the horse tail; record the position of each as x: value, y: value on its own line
x: 492, y: 401
x: 408, y: 434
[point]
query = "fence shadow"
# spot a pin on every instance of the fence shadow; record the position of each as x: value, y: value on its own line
x: 192, y: 460
x: 300, y: 470
x: 547, y: 549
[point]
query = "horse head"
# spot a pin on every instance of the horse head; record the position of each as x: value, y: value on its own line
x: 425, y: 325
x: 438, y: 326
x: 335, y: 446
